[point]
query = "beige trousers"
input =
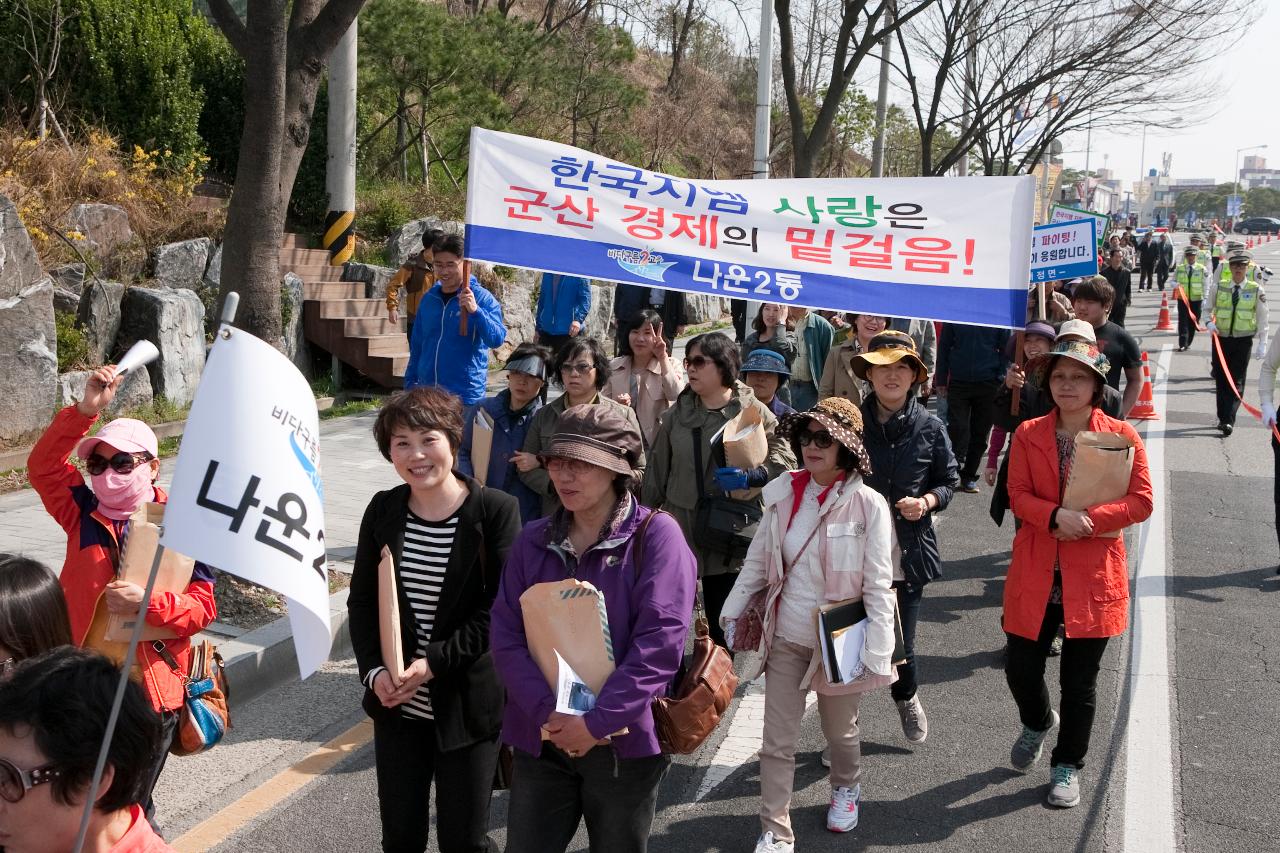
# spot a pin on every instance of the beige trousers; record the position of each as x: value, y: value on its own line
x: 784, y: 703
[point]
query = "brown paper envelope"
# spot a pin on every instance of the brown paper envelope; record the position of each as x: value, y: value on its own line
x: 481, y: 445
x: 174, y: 574
x: 389, y: 617
x: 745, y: 451
x: 568, y: 616
x: 1100, y: 472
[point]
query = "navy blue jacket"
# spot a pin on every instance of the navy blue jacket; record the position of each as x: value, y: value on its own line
x: 509, y: 431
x: 971, y: 354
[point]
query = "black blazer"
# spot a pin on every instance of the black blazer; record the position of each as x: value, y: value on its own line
x: 466, y: 697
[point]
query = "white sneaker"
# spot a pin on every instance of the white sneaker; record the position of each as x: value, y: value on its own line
x: 842, y: 816
x: 766, y: 844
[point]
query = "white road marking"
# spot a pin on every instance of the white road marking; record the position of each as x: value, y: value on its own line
x: 1149, y: 780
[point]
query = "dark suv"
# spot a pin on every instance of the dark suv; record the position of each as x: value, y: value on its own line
x: 1258, y: 225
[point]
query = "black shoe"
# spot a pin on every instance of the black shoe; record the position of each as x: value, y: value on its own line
x: 1226, y: 429
x: 1182, y: 348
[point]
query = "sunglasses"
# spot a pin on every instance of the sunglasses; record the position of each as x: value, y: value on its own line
x: 581, y: 367
x: 819, y: 438
x: 698, y: 361
x: 15, y: 782
x: 575, y: 467
x: 121, y: 463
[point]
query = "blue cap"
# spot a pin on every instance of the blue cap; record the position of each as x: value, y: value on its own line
x: 765, y: 361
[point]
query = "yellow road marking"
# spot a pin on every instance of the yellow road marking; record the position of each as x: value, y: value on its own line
x: 219, y: 827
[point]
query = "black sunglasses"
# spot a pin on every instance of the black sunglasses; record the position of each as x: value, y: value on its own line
x: 819, y: 438
x: 15, y: 782
x: 698, y: 361
x: 121, y: 463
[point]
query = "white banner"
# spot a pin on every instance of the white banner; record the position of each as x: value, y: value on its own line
x: 1063, y: 250
x: 246, y: 495
x: 951, y: 249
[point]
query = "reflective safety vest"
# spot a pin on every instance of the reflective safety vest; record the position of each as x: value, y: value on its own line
x: 1217, y: 251
x: 1203, y: 257
x: 1243, y: 320
x: 1191, y: 278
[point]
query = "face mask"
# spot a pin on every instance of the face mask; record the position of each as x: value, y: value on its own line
x: 119, y: 495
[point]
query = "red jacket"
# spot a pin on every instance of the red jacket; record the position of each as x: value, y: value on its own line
x: 1095, y: 573
x: 92, y: 552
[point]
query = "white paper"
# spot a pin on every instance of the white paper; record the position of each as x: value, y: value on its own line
x: 140, y: 354
x: 247, y: 496
x: 849, y: 644
x: 743, y: 433
x: 573, y: 696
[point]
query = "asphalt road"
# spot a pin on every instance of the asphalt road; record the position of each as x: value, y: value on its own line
x: 1220, y: 745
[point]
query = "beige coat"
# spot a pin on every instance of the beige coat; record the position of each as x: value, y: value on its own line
x: 658, y: 389
x: 837, y: 374
x: 853, y: 546
x: 672, y: 482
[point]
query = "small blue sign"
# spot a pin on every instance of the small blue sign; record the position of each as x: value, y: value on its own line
x: 1063, y: 250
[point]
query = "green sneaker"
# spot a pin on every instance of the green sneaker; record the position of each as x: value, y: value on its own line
x: 1027, y: 748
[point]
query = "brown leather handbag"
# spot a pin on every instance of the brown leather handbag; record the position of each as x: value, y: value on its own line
x: 704, y: 684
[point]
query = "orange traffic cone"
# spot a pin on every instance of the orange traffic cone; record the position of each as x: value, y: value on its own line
x: 1164, y: 324
x: 1145, y: 408
x: 1249, y: 243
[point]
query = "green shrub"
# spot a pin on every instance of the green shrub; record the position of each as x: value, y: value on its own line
x: 73, y: 349
x: 382, y: 209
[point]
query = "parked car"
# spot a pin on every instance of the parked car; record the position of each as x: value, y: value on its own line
x: 1258, y: 225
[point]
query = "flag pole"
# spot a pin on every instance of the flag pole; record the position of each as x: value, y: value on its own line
x: 228, y: 314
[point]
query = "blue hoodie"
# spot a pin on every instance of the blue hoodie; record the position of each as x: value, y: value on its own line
x: 562, y: 299
x: 440, y: 355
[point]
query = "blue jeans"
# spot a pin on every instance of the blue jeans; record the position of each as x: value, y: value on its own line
x: 909, y: 610
x: 804, y: 395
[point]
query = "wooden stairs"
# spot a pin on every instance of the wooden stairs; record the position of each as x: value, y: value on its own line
x: 338, y: 316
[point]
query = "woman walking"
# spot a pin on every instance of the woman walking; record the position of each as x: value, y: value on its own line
x: 825, y: 537
x: 913, y: 467
x: 644, y: 376
x: 1065, y: 571
x: 573, y: 768
x: 838, y: 378
x: 448, y: 537
x: 687, y: 465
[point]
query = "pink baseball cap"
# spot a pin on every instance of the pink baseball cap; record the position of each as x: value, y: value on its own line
x: 127, y: 434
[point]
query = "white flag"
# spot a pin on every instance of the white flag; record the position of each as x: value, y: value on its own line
x: 246, y: 496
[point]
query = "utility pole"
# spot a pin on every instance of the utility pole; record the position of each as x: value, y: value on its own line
x: 764, y: 91
x: 882, y: 104
x: 340, y: 167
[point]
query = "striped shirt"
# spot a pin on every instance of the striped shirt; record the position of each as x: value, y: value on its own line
x: 427, y: 545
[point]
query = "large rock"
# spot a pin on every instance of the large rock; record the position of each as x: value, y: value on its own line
x: 408, y: 238
x: 374, y: 277
x: 134, y: 393
x: 515, y: 294
x: 181, y: 264
x: 601, y: 316
x: 700, y: 308
x: 213, y: 272
x: 69, y: 276
x: 104, y: 227
x: 19, y: 265
x: 28, y: 362
x: 65, y: 301
x: 99, y: 317
x: 173, y: 320
x: 294, y: 341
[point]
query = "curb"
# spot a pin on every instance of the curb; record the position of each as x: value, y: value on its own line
x: 264, y: 658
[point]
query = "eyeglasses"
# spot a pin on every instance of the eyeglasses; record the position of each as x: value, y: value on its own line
x: 819, y: 438
x: 698, y: 361
x: 15, y: 782
x: 576, y: 467
x: 1238, y: 264
x: 121, y: 463
x: 581, y: 367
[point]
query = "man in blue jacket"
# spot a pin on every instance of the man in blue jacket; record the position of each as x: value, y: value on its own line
x: 439, y: 353
x: 971, y: 363
x: 564, y: 301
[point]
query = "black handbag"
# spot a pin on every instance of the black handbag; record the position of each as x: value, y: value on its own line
x: 721, y: 523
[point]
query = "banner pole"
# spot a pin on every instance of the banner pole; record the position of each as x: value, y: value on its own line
x: 466, y: 288
x: 125, y: 667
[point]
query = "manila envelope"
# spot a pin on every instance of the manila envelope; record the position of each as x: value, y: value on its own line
x: 745, y: 446
x: 1100, y: 472
x: 140, y: 547
x: 389, y: 617
x: 481, y: 445
x: 568, y: 617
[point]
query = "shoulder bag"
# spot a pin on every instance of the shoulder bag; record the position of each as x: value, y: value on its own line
x: 704, y: 684
x: 204, y: 717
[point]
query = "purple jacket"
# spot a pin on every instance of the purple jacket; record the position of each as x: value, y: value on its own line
x: 649, y: 618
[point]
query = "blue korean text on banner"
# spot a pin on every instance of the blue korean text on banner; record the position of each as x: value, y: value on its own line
x: 948, y: 249
x: 1062, y: 250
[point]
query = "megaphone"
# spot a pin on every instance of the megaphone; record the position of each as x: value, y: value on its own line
x: 139, y: 355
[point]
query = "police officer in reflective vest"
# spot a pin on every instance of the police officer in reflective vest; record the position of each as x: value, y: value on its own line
x: 1189, y: 277
x: 1239, y: 312
x: 1224, y: 271
x: 1200, y: 242
x: 1215, y: 250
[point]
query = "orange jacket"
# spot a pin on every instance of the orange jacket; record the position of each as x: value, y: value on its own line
x: 92, y: 553
x: 1095, y: 573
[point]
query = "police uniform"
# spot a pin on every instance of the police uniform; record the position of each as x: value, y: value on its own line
x: 1190, y: 276
x: 1239, y: 310
x: 1266, y: 392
